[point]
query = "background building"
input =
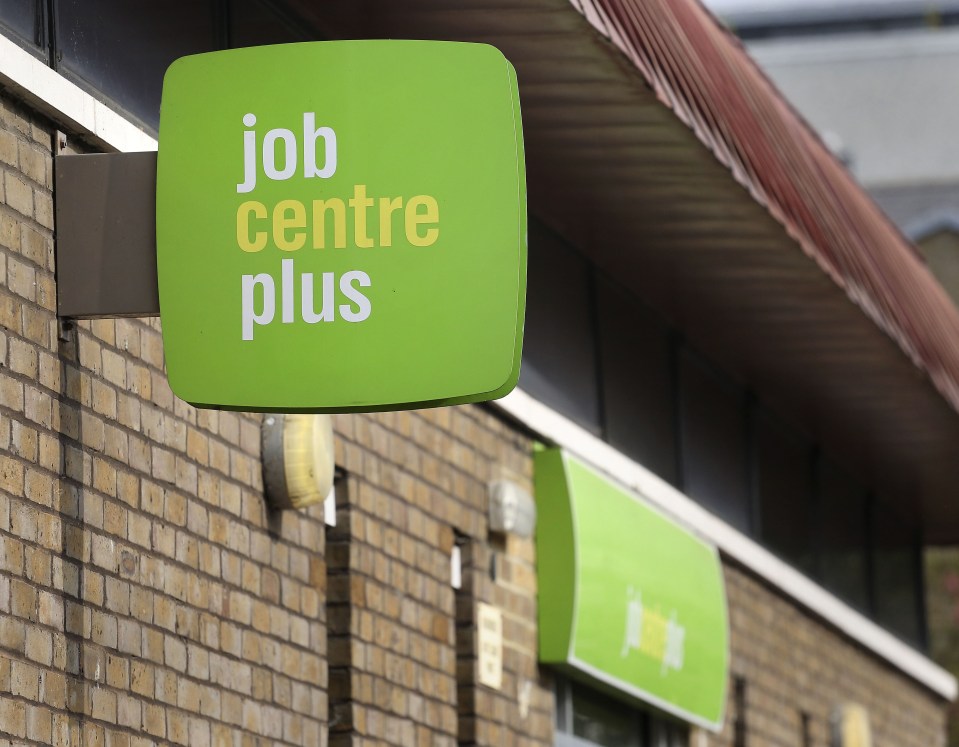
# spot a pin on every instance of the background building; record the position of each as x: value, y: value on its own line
x: 720, y: 324
x: 876, y: 79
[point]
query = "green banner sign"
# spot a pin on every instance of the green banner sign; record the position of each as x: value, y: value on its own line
x: 627, y: 597
x: 341, y: 226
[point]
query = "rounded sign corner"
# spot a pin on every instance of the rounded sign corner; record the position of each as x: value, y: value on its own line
x: 509, y: 385
x: 182, y: 389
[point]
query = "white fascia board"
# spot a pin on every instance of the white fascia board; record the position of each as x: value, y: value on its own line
x: 66, y: 103
x: 563, y: 432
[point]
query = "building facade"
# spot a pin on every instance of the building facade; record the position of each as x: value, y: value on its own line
x: 688, y: 340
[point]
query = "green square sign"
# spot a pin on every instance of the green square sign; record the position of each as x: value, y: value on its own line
x: 341, y: 226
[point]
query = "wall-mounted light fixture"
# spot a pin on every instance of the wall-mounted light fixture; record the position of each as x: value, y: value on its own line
x: 297, y: 454
x: 511, y: 509
x: 850, y: 726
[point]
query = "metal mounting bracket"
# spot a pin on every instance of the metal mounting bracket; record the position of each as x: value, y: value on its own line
x: 106, y: 235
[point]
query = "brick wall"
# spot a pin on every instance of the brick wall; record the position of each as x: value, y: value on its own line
x: 417, y: 484
x: 793, y: 664
x: 502, y: 574
x: 145, y: 592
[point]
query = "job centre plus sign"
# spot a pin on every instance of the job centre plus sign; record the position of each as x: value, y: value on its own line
x: 341, y: 226
x: 290, y: 225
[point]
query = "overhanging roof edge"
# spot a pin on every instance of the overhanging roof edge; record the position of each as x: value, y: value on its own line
x: 702, y: 73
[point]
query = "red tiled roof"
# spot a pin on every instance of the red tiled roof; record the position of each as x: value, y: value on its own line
x: 702, y: 73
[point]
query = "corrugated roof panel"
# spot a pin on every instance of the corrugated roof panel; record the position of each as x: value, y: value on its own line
x: 703, y: 74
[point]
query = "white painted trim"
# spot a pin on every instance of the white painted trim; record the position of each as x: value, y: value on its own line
x: 66, y: 103
x: 633, y: 476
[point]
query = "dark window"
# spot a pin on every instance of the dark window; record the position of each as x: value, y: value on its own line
x: 664, y: 733
x: 602, y: 720
x: 713, y: 440
x: 841, y: 503
x: 896, y: 582
x: 23, y: 21
x: 255, y: 22
x: 638, y: 396
x: 805, y: 729
x: 559, y: 356
x: 590, y: 718
x: 122, y: 49
x: 739, y: 712
x: 784, y: 490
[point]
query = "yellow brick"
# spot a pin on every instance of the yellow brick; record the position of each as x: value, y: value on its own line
x: 177, y: 727
x: 24, y: 680
x: 13, y: 717
x: 47, y: 293
x: 152, y: 648
x: 91, y: 429
x: 11, y: 393
x: 49, y: 452
x: 92, y: 587
x: 128, y: 336
x: 151, y: 347
x: 36, y: 326
x: 22, y: 357
x: 175, y: 508
x: 128, y: 488
x: 114, y: 515
x: 164, y: 464
x: 32, y: 163
x: 43, y: 208
x: 50, y: 610
x: 104, y: 705
x: 128, y: 411
x: 49, y: 531
x: 39, y: 645
x: 128, y: 712
x: 139, y: 530
x: 37, y: 565
x: 8, y: 147
x: 104, y: 477
x: 104, y: 399
x: 38, y: 406
x: 104, y: 329
x: 36, y: 246
x: 13, y: 634
x: 114, y: 368
x: 55, y: 690
x: 19, y: 195
x: 118, y: 672
x: 140, y: 380
x: 38, y: 487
